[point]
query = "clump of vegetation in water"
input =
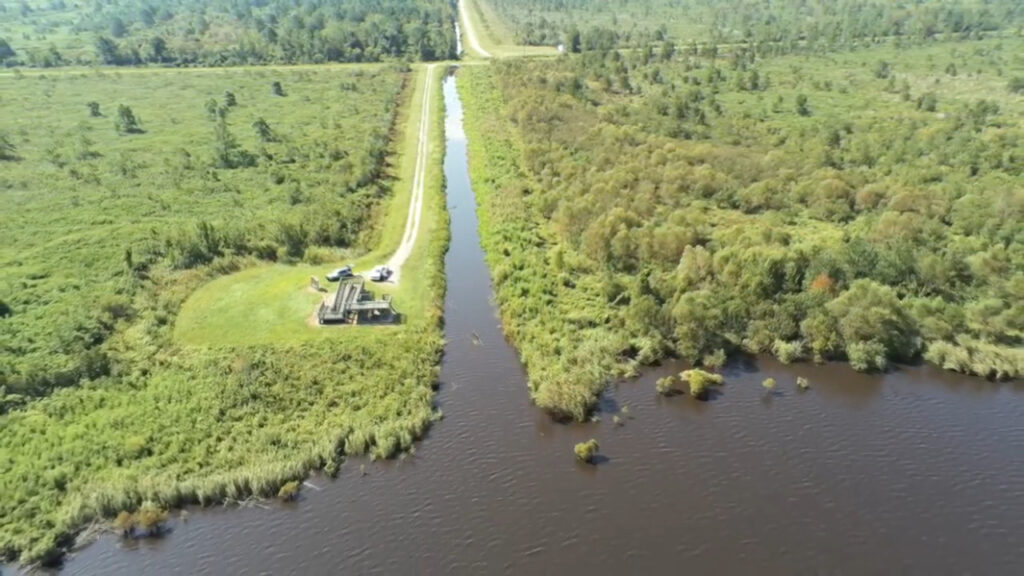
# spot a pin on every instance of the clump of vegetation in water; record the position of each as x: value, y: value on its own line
x: 700, y: 382
x: 147, y: 522
x: 665, y: 385
x: 586, y: 451
x: 768, y: 384
x: 289, y: 492
x: 802, y: 383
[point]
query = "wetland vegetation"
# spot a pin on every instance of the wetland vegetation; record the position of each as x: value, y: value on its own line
x: 859, y: 203
x: 126, y: 192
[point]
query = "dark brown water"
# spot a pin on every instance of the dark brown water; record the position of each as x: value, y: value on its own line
x: 918, y: 471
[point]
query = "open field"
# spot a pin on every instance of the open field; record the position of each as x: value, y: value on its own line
x: 111, y: 397
x: 861, y: 205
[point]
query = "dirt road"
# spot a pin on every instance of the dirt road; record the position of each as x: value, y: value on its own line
x: 412, y: 222
x: 471, y: 37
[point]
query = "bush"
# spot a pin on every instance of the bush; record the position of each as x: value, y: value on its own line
x: 585, y: 451
x: 289, y: 492
x: 147, y: 521
x: 788, y: 352
x: 715, y: 360
x: 700, y: 381
x: 665, y: 385
x: 867, y: 356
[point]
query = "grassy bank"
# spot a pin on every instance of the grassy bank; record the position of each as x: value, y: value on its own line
x: 215, y: 409
x: 558, y: 332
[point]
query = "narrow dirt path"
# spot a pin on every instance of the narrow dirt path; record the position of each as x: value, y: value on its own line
x: 412, y: 222
x: 467, y: 23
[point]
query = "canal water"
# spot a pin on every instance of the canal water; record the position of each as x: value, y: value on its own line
x: 918, y: 471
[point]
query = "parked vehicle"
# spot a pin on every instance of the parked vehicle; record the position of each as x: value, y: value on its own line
x: 343, y: 272
x: 380, y: 274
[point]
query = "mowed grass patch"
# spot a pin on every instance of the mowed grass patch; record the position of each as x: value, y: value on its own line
x: 274, y: 303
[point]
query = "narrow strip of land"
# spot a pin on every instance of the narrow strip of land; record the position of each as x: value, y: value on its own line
x: 471, y: 38
x: 412, y: 222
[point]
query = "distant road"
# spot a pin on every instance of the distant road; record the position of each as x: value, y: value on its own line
x: 471, y: 37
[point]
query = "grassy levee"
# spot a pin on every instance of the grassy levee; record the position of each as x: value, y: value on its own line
x: 558, y: 331
x: 493, y: 35
x: 184, y: 417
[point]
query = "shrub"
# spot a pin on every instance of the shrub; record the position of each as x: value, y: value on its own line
x: 665, y: 385
x: 715, y: 360
x: 788, y: 352
x: 127, y: 122
x: 699, y: 382
x: 867, y: 356
x: 289, y: 492
x: 149, y: 519
x: 585, y: 451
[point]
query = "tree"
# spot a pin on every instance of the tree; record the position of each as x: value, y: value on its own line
x: 802, y: 107
x: 927, y: 102
x: 94, y: 109
x: 874, y: 325
x: 126, y: 122
x: 263, y: 131
x: 229, y: 99
x: 8, y: 151
x: 117, y: 27
x: 228, y: 153
x: 157, y: 49
x: 6, y: 52
x: 108, y: 50
x: 572, y: 40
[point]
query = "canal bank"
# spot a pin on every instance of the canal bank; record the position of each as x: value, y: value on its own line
x: 917, y: 471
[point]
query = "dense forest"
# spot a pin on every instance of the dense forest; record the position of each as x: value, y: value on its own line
x: 125, y: 191
x: 223, y: 32
x: 811, y: 24
x: 862, y: 206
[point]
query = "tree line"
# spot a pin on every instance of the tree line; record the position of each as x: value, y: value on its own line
x: 229, y: 32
